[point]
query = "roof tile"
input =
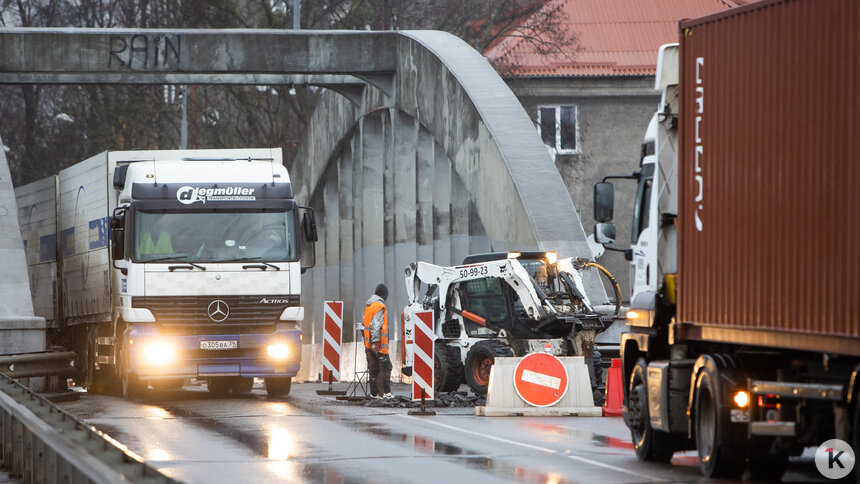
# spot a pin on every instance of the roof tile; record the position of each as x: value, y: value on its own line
x: 613, y: 37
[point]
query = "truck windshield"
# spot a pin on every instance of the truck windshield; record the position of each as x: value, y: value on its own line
x: 214, y: 236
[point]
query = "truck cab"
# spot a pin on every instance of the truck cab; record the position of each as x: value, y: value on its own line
x: 206, y: 257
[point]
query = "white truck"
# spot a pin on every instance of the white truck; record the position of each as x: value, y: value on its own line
x: 502, y: 304
x: 158, y: 266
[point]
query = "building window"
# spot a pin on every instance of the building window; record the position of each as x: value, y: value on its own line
x: 558, y: 127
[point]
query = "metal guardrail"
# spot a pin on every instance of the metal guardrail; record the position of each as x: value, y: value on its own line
x: 42, y: 443
x: 45, y: 363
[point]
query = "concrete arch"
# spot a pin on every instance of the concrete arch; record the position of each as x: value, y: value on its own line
x: 446, y: 109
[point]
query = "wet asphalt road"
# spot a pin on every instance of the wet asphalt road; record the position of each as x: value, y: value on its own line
x: 309, y: 438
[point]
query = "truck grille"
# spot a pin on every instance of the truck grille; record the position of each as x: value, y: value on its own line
x: 194, y: 310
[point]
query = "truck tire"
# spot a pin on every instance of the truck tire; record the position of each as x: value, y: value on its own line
x: 649, y: 444
x: 88, y: 361
x: 480, y: 360
x: 449, y: 368
x: 716, y: 458
x: 278, y: 387
x: 132, y: 387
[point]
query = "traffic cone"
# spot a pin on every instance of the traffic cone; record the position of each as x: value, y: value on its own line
x: 614, y: 391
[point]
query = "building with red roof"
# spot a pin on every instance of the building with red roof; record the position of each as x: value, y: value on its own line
x: 592, y: 102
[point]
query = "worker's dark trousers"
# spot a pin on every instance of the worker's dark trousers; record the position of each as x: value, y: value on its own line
x: 379, y: 366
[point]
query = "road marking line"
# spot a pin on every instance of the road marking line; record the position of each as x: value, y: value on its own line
x: 541, y: 379
x: 584, y: 460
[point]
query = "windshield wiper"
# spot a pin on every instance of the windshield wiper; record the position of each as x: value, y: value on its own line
x: 177, y: 259
x: 261, y: 265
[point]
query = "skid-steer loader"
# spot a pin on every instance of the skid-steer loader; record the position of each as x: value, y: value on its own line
x: 503, y: 304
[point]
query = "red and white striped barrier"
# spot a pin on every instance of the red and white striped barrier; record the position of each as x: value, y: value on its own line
x: 332, y: 340
x: 422, y: 352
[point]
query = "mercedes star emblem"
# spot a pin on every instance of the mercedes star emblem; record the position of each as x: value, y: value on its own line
x: 218, y: 310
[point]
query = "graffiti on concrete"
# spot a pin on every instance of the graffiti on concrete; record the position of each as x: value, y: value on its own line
x: 145, y: 51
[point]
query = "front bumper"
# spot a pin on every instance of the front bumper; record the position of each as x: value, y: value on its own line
x: 249, y: 359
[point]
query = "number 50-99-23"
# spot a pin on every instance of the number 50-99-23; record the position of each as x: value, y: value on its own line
x: 474, y: 271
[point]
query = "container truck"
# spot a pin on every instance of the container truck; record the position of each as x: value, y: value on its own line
x: 743, y: 341
x: 158, y: 266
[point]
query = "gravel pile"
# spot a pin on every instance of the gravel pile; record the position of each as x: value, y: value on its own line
x: 451, y: 400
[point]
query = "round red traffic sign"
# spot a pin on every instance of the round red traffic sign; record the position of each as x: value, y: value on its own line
x: 540, y: 379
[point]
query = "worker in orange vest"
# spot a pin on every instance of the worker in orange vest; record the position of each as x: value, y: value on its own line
x: 376, y: 343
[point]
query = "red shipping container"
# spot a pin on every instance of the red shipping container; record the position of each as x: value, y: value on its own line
x: 769, y: 167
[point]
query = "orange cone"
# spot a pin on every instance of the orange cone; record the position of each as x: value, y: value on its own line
x: 614, y: 391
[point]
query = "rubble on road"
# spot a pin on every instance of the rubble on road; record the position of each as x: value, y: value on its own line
x: 459, y: 399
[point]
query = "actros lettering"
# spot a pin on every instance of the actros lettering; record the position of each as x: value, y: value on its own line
x: 145, y: 52
x: 700, y: 150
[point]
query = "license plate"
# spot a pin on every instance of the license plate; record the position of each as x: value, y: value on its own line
x: 219, y: 345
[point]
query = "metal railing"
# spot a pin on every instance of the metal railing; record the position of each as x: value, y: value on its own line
x: 41, y: 443
x: 44, y: 363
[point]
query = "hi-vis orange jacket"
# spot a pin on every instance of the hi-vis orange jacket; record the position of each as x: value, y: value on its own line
x: 369, y: 311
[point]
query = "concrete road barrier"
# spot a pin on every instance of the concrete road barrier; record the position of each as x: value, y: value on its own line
x: 503, y: 400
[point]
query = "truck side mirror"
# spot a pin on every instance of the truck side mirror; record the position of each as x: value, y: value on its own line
x: 604, y: 233
x: 117, y: 230
x: 604, y: 201
x: 309, y: 225
x: 308, y: 250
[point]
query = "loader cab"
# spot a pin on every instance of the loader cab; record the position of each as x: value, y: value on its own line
x: 495, y: 300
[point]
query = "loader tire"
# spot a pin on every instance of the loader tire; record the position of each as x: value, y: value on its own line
x: 449, y: 368
x: 598, y: 387
x: 480, y: 360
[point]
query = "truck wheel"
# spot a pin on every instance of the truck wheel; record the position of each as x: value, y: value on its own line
x: 218, y: 387
x: 88, y: 361
x: 278, y: 387
x: 715, y: 456
x: 132, y: 387
x: 448, y: 367
x: 480, y: 360
x: 649, y: 444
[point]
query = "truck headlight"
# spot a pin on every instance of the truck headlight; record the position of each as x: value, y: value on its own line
x: 158, y: 353
x: 278, y: 351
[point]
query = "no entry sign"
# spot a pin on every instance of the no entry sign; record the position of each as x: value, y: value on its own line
x: 540, y: 379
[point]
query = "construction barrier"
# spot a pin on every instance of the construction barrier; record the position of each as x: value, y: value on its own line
x: 332, y: 340
x: 422, y: 355
x: 504, y: 399
x: 612, y: 406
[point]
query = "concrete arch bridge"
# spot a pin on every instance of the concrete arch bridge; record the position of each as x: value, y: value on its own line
x: 417, y: 151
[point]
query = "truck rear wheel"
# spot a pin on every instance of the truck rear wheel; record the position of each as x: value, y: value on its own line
x: 649, y: 444
x: 715, y: 454
x: 480, y: 360
x: 278, y: 387
x: 448, y: 369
